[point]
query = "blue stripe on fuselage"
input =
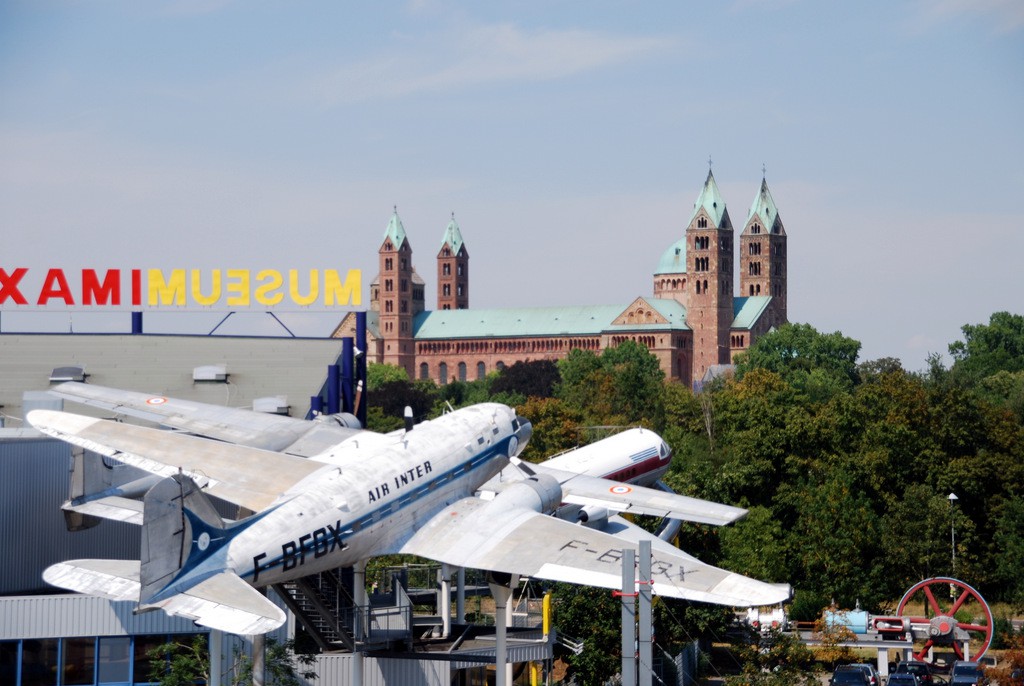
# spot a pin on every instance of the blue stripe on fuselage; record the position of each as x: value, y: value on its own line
x: 389, y: 509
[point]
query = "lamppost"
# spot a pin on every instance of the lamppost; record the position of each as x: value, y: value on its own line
x: 952, y: 530
x: 952, y: 541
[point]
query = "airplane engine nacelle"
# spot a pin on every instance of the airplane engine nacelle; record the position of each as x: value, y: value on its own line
x: 540, y: 492
x: 592, y: 516
x: 345, y: 420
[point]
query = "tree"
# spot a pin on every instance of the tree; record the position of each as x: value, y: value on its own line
x: 185, y: 664
x: 591, y: 616
x: 1009, y: 539
x: 556, y: 427
x: 989, y: 348
x: 834, y: 537
x: 379, y: 374
x: 820, y: 365
x: 393, y: 397
x: 621, y: 386
x: 535, y: 379
x: 773, y: 659
x: 756, y: 546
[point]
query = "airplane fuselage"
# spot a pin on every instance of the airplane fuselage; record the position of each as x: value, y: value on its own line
x: 373, y: 492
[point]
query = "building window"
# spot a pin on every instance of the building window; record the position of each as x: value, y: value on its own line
x: 424, y: 370
x: 39, y: 658
x: 442, y: 373
x: 114, y: 659
x: 446, y: 269
x: 481, y: 370
x: 462, y: 371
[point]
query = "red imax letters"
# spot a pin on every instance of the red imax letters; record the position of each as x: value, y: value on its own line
x: 9, y: 286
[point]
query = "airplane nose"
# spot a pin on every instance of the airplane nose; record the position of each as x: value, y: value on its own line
x: 524, y: 430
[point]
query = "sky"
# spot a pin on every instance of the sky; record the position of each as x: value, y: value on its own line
x: 570, y: 140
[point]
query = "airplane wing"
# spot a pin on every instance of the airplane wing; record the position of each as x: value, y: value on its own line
x: 488, y: 535
x: 615, y: 496
x: 224, y: 601
x: 232, y: 425
x: 249, y: 477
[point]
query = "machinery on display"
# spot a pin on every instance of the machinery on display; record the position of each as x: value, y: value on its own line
x: 941, y: 612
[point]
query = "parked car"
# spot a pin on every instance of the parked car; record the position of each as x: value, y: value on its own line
x: 903, y: 679
x: 966, y: 673
x: 849, y: 675
x: 919, y: 669
x: 874, y: 679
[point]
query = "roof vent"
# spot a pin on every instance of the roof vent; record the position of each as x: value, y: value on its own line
x: 211, y: 372
x: 70, y: 373
x: 274, y: 404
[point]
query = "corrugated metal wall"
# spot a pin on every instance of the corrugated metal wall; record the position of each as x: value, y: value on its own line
x: 34, y: 477
x: 336, y: 670
x: 79, y: 615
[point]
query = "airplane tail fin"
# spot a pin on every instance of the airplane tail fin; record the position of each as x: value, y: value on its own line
x: 100, y: 490
x: 180, y: 526
x: 180, y: 529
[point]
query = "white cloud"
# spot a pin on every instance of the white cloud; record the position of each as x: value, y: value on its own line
x: 481, y: 54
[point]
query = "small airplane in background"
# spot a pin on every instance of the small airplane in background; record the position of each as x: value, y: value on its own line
x: 318, y: 495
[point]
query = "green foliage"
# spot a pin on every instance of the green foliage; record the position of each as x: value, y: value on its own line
x: 180, y: 663
x: 819, y: 365
x: 391, y: 399
x: 623, y: 385
x: 774, y: 659
x: 188, y: 663
x: 593, y: 616
x: 990, y: 348
x: 756, y: 546
x: 377, y: 375
x: 536, y: 379
x: 556, y: 427
x: 1009, y: 544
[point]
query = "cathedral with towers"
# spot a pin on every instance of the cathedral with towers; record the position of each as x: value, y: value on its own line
x: 694, y: 322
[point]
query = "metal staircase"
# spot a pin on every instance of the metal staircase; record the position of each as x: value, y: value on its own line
x: 324, y: 606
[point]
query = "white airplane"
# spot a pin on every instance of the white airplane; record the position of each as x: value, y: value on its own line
x: 324, y: 495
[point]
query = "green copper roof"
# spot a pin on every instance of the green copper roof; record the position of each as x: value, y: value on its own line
x: 764, y: 209
x: 395, y: 231
x: 452, y: 237
x: 711, y: 200
x: 747, y: 310
x: 673, y: 260
x: 539, y: 321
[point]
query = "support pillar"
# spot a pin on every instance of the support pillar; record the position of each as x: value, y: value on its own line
x: 460, y: 596
x: 501, y: 594
x: 359, y: 613
x: 259, y: 659
x: 645, y: 658
x: 444, y: 599
x: 216, y: 656
x: 628, y: 618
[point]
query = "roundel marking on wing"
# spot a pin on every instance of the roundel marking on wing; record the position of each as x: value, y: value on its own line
x: 156, y: 401
x: 620, y: 490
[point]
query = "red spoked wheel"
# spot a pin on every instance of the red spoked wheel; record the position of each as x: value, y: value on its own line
x: 939, y: 623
